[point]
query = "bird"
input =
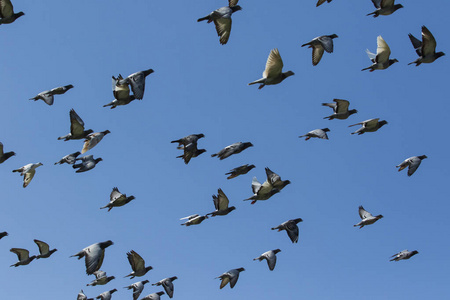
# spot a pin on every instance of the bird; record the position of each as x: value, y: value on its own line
x: 231, y: 276
x: 44, y: 249
x: 241, y: 170
x: 380, y: 60
x: 366, y: 218
x: 87, y: 163
x: 7, y: 15
x: 221, y: 204
x: 100, y: 278
x: 273, y: 73
x: 137, y: 82
x: 117, y: 102
x: 47, y: 96
x: 3, y: 234
x: 23, y: 256
x: 340, y: 108
x: 271, y: 258
x: 137, y: 288
x: 93, y: 139
x: 192, y: 138
x: 405, y: 254
x: 412, y: 163
x: 4, y: 156
x: 261, y: 191
x: 384, y: 7
x: 106, y: 295
x: 194, y: 219
x: 82, y: 296
x: 319, y: 45
x: 28, y: 172
x: 94, y: 255
x: 371, y: 125
x: 291, y: 228
x: 320, y: 2
x: 190, y: 151
x: 275, y: 180
x: 154, y: 296
x: 316, y: 133
x: 426, y: 49
x: 69, y: 158
x: 137, y: 264
x: 232, y: 149
x: 167, y: 285
x: 77, y: 131
x: 117, y: 199
x: 222, y: 20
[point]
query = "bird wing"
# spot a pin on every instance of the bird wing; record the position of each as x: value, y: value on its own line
x: 372, y: 123
x: 233, y: 279
x: 417, y: 44
x: 99, y: 274
x: 47, y: 97
x: 274, y: 64
x: 22, y: 254
x: 372, y: 56
x: 6, y: 9
x: 413, y: 165
x: 115, y: 194
x: 271, y: 259
x: 429, y: 43
x: 168, y: 287
x: 232, y: 3
x: 225, y: 279
x: 93, y: 258
x: 137, y: 82
x: 190, y: 217
x: 376, y: 3
x: 317, y: 54
x: 1, y: 149
x: 364, y: 213
x: 383, y: 50
x: 292, y: 231
x: 320, y: 2
x: 223, y: 28
x: 43, y: 247
x: 256, y: 185
x: 27, y: 178
x: 327, y: 43
x: 222, y: 200
x: 342, y: 105
x: 136, y: 261
x: 386, y: 3
x: 272, y: 177
x: 76, y: 123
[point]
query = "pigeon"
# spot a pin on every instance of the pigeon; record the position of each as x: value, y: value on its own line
x: 117, y: 199
x: 320, y: 2
x: 221, y: 204
x: 275, y: 180
x: 384, y: 7
x: 405, y: 254
x: 82, y: 296
x: 93, y: 255
x: 232, y: 149
x: 316, y: 133
x: 100, y: 278
x: 271, y: 258
x: 106, y: 295
x: 77, y: 131
x: 47, y: 96
x: 371, y: 125
x: 7, y: 15
x: 116, y: 102
x: 380, y: 60
x: 154, y: 296
x: 28, y: 172
x: 241, y: 170
x: 231, y: 276
x: 167, y: 285
x: 137, y: 82
x: 23, y: 255
x: 222, y: 20
x: 183, y: 142
x: 88, y: 163
x: 4, y: 156
x: 93, y: 139
x: 3, y: 234
x: 319, y: 45
x: 426, y: 49
x: 261, y: 191
x: 340, y: 108
x: 412, y: 163
x: 190, y: 151
x: 194, y: 219
x: 291, y: 228
x: 44, y: 249
x: 137, y: 264
x: 69, y: 159
x: 137, y: 287
x: 366, y: 218
x: 273, y: 73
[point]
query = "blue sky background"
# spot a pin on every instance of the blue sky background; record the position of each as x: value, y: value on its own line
x: 200, y: 86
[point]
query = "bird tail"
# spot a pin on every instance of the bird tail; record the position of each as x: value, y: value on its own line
x: 203, y: 19
x: 366, y: 68
x: 17, y: 170
x: 65, y: 138
x: 307, y: 44
x: 214, y: 155
x: 257, y: 81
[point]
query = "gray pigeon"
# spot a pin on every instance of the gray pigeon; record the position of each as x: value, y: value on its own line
x: 137, y: 265
x: 3, y: 234
x: 93, y: 139
x: 82, y: 296
x: 405, y: 254
x: 231, y: 276
x: 121, y: 91
x: 47, y: 96
x: 271, y: 258
x: 69, y: 159
x: 137, y: 82
x: 137, y: 287
x: 106, y: 295
x: 28, y: 172
x: 275, y: 180
x: 273, y: 73
x: 412, y: 163
x: 183, y: 142
x: 261, y: 192
x: 167, y: 285
x: 23, y: 256
x: 384, y: 7
x: 316, y: 133
x: 154, y: 296
x: 232, y: 149
x: 426, y: 49
x: 194, y: 219
x: 100, y: 278
x: 319, y: 45
x: 371, y: 125
x: 94, y: 255
x: 366, y: 218
x: 221, y: 204
x: 241, y: 170
x: 291, y: 228
x: 4, y: 156
x: 117, y: 199
x: 320, y: 2
x: 7, y: 15
x: 381, y: 60
x: 87, y: 163
x: 340, y: 108
x: 77, y: 131
x: 190, y: 151
x: 44, y: 249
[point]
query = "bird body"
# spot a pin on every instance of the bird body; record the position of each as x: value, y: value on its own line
x: 412, y: 163
x: 271, y: 258
x: 154, y: 296
x: 384, y: 7
x: 7, y: 15
x: 340, y: 108
x: 261, y: 192
x: 221, y: 204
x: 194, y: 219
x: 167, y: 284
x: 316, y: 133
x: 137, y: 83
x: 319, y: 45
x: 47, y: 96
x: 231, y: 277
x: 87, y: 163
x: 381, y: 60
x: 117, y: 199
x: 100, y: 278
x: 275, y: 180
x: 137, y: 287
x: 106, y: 295
x: 190, y: 151
x: 222, y: 21
x: 405, y: 254
x: 232, y: 149
x: 291, y: 228
x: 426, y: 49
x: 241, y: 170
x: 23, y: 256
x: 69, y: 159
x: 366, y: 218
x: 28, y: 172
x: 370, y: 125
x: 77, y: 131
x: 137, y: 264
x: 94, y: 255
x: 82, y: 296
x: 44, y: 249
x: 93, y: 139
x: 273, y: 73
x: 192, y: 138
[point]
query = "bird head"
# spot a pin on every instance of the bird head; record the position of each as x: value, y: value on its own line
x: 106, y: 244
x: 145, y: 281
x: 276, y: 251
x: 19, y: 14
x: 398, y: 6
x: 352, y: 111
x: 379, y: 217
x: 89, y: 131
x: 106, y: 132
x: 326, y: 129
x: 392, y: 61
x: 113, y: 291
x: 287, y: 74
x: 439, y: 54
x: 201, y: 135
x: 231, y: 208
x: 381, y: 123
x: 160, y: 293
x: 423, y: 156
x: 333, y: 36
x: 414, y: 252
x: 236, y: 8
x: 131, y: 198
x: 240, y: 269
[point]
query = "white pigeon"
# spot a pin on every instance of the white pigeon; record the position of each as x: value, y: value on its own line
x: 273, y: 73
x: 93, y: 139
x: 100, y: 278
x: 366, y: 218
x: 380, y: 61
x: 28, y: 172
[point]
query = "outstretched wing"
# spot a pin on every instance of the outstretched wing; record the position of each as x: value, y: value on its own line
x: 274, y: 64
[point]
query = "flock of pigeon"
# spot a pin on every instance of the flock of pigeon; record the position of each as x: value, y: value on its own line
x: 273, y: 74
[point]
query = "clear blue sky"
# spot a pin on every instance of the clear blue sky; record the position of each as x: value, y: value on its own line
x: 200, y: 86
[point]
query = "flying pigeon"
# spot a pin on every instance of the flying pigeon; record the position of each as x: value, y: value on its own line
x: 137, y: 287
x: 137, y: 82
x: 232, y: 149
x: 44, y: 249
x: 275, y: 180
x: 291, y: 228
x: 106, y: 295
x: 380, y: 60
x: 221, y: 204
x: 7, y: 15
x: 273, y: 73
x: 190, y: 151
x: 183, y: 142
x: 371, y: 125
x: 69, y: 159
x: 384, y: 7
x: 23, y: 256
x: 261, y: 191
x: 77, y: 131
x: 271, y: 258
x: 319, y: 45
x: 82, y: 296
x: 47, y: 96
x: 405, y: 254
x: 320, y: 2
x: 87, y: 163
x: 4, y: 156
x: 412, y: 163
x: 116, y: 102
x: 231, y: 276
x: 117, y: 199
x: 316, y: 133
x: 100, y: 278
x: 167, y: 285
x: 93, y: 139
x: 154, y: 296
x: 194, y: 219
x: 340, y: 108
x: 28, y: 172
x: 426, y: 49
x: 241, y: 170
x: 93, y: 255
x: 137, y: 264
x: 366, y: 218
